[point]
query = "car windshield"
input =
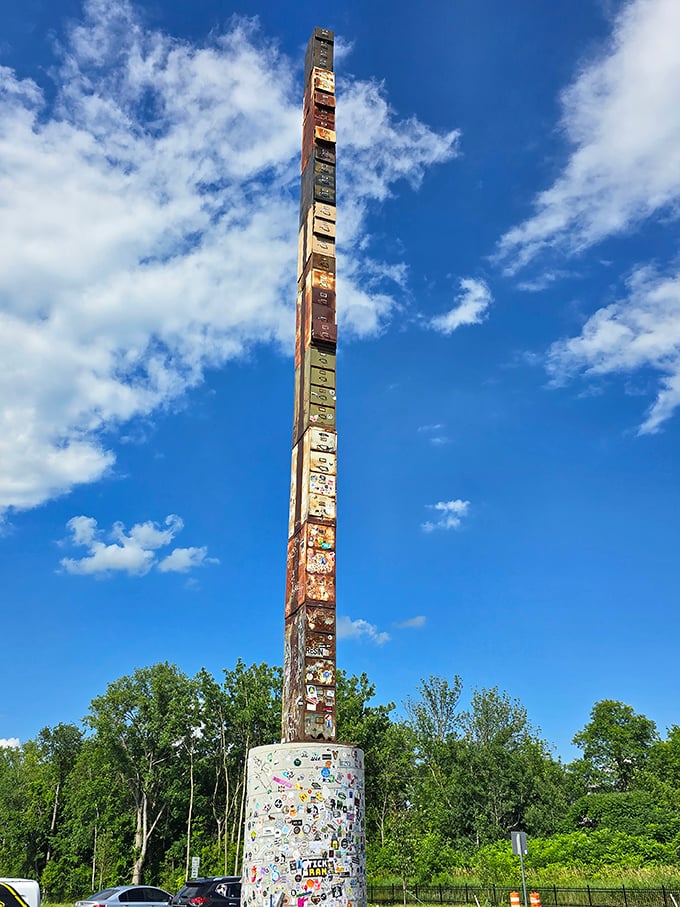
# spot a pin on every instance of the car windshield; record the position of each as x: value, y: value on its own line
x: 102, y: 895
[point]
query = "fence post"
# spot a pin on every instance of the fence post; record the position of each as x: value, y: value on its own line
x: 625, y: 899
x: 555, y: 893
x: 467, y: 896
x: 590, y: 899
x: 441, y: 896
x: 394, y: 900
x: 494, y: 893
x: 663, y: 891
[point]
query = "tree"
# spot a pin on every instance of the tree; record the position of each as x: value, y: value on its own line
x: 140, y: 722
x: 434, y: 716
x: 254, y: 719
x: 615, y: 744
x: 60, y: 746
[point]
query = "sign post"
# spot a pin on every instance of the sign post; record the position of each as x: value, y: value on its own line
x: 519, y: 848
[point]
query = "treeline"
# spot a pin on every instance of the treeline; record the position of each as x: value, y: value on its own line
x: 156, y: 775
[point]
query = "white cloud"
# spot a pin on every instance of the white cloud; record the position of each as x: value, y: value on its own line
x: 621, y: 116
x: 434, y: 433
x: 641, y: 330
x: 132, y: 552
x: 358, y: 629
x: 149, y: 230
x: 470, y: 308
x: 450, y: 515
x: 9, y: 743
x: 184, y: 559
x: 413, y: 623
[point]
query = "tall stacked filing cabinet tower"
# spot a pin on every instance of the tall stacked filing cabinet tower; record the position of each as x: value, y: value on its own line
x: 309, y: 648
x: 304, y: 834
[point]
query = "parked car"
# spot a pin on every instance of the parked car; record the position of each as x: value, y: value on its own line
x: 219, y: 891
x: 140, y: 895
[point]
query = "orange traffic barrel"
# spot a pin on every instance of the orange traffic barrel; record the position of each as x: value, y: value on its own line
x: 514, y: 899
x: 534, y: 899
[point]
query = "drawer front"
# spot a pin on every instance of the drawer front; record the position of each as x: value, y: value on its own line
x: 321, y: 537
x: 323, y: 80
x: 322, y: 377
x: 321, y: 359
x: 322, y: 484
x: 322, y: 396
x: 323, y: 245
x: 324, y: 332
x: 323, y: 440
x: 322, y: 506
x: 322, y: 462
x: 323, y: 416
x: 323, y: 227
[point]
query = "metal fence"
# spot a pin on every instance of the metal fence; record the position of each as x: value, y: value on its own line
x: 499, y: 896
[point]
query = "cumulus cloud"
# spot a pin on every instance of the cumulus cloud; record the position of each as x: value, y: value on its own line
x: 640, y: 330
x: 471, y: 307
x: 9, y: 743
x: 184, y: 559
x: 149, y: 229
x: 449, y: 515
x: 621, y: 116
x: 413, y: 623
x: 132, y: 552
x: 360, y: 629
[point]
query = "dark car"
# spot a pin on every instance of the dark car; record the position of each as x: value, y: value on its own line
x: 219, y: 891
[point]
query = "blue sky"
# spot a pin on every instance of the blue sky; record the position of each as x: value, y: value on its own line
x: 509, y: 345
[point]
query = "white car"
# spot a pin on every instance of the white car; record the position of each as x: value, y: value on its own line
x: 140, y: 895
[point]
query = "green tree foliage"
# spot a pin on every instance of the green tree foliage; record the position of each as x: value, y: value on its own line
x: 158, y: 772
x: 142, y: 723
x: 636, y: 813
x: 615, y: 744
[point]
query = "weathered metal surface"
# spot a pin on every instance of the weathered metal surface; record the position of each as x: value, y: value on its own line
x: 323, y: 297
x: 320, y: 461
x: 320, y: 670
x: 322, y: 483
x: 323, y: 245
x: 323, y: 313
x: 322, y: 377
x: 320, y: 536
x: 310, y: 642
x: 324, y: 135
x: 322, y: 262
x: 324, y: 99
x: 322, y: 506
x: 323, y: 227
x: 323, y: 80
x: 324, y: 153
x: 320, y: 561
x: 322, y: 116
x: 319, y: 645
x: 322, y: 279
x: 293, y: 491
x: 322, y: 359
x: 324, y: 440
x: 322, y: 415
x: 322, y: 396
x: 319, y: 53
x: 324, y: 332
x: 319, y: 617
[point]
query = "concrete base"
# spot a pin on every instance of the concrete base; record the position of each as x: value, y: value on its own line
x: 304, y: 833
